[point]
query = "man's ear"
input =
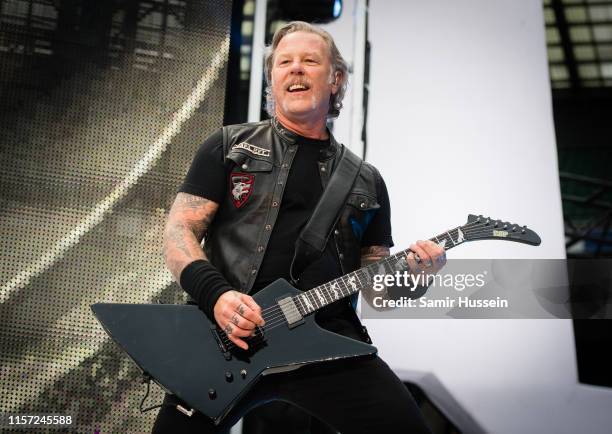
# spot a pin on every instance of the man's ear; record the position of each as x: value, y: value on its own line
x: 336, y: 82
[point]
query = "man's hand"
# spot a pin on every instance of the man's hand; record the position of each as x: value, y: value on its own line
x: 431, y: 257
x: 238, y: 315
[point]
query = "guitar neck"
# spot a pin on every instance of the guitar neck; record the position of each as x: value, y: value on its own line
x: 351, y: 283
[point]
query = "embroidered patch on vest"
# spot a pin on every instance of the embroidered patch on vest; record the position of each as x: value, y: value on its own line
x: 255, y: 150
x: 241, y: 185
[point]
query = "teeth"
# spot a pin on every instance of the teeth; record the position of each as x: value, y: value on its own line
x: 296, y: 86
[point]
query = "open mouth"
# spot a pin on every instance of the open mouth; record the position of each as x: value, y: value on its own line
x: 295, y: 88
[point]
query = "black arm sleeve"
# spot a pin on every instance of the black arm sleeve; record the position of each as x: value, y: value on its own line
x: 207, y: 175
x: 203, y: 282
x: 378, y: 232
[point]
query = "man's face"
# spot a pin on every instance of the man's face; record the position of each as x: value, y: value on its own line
x: 301, y: 77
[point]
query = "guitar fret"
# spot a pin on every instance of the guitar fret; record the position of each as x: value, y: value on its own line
x: 329, y: 292
x: 322, y: 294
x: 296, y: 301
x: 314, y: 299
x: 351, y: 283
x: 346, y: 288
x: 320, y: 297
x: 334, y: 288
x: 307, y: 301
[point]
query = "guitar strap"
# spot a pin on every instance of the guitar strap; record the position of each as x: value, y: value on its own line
x: 312, y: 240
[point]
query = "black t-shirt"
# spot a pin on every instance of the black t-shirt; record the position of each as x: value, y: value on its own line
x: 207, y: 177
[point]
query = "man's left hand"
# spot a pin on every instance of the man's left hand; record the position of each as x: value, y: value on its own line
x: 431, y: 257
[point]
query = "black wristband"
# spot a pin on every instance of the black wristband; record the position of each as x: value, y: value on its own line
x: 205, y: 284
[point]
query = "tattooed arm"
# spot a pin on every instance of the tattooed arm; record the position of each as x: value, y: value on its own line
x: 189, y: 219
x: 370, y: 255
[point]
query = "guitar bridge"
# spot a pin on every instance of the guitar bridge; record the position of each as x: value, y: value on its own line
x: 215, y: 332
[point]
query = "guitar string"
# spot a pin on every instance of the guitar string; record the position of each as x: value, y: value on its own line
x: 442, y: 235
x: 277, y: 320
x: 324, y: 287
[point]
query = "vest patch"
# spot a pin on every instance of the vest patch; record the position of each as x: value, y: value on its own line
x: 241, y: 185
x: 255, y: 150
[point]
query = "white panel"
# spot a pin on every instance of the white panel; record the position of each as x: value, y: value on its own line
x: 461, y: 122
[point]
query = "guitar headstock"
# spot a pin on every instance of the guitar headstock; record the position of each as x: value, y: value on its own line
x: 487, y: 228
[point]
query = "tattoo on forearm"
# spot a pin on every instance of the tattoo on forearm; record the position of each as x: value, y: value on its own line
x: 369, y: 255
x: 372, y: 254
x: 188, y: 221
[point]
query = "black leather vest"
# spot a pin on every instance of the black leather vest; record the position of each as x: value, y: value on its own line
x: 259, y: 157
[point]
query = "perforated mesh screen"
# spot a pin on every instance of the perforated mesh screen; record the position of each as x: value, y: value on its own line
x: 103, y: 105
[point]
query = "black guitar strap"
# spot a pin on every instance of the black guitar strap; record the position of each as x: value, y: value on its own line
x: 312, y: 240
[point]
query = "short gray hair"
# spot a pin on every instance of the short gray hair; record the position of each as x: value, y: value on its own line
x: 338, y: 64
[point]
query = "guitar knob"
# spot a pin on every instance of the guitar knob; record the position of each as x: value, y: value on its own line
x: 212, y: 393
x: 243, y: 373
x: 229, y: 377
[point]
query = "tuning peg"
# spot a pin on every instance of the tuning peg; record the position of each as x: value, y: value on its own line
x: 513, y: 228
x: 524, y: 229
x: 496, y: 224
x: 488, y: 221
x: 505, y: 226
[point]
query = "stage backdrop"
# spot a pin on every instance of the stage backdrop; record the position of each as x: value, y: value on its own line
x: 103, y: 105
x: 461, y: 122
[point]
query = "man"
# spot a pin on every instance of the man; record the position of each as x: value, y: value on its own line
x: 250, y: 190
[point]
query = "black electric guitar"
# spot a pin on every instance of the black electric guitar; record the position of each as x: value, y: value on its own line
x: 193, y: 358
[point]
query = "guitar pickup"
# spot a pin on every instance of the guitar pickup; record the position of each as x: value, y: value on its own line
x: 291, y: 312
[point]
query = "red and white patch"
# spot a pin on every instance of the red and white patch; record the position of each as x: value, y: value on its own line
x: 241, y: 185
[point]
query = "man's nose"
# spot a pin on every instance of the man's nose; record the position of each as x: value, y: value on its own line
x: 296, y: 67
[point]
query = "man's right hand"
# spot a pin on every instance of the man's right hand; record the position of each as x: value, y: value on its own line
x: 238, y: 315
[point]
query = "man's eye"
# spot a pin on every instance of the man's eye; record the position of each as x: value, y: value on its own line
x: 283, y: 62
x: 311, y: 61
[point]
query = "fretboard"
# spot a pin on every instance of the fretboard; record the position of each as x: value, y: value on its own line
x: 351, y: 283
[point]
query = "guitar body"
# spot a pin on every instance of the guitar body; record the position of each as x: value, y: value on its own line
x: 192, y: 358
x: 178, y: 347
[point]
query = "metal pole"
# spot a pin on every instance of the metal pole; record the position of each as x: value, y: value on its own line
x: 257, y: 55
